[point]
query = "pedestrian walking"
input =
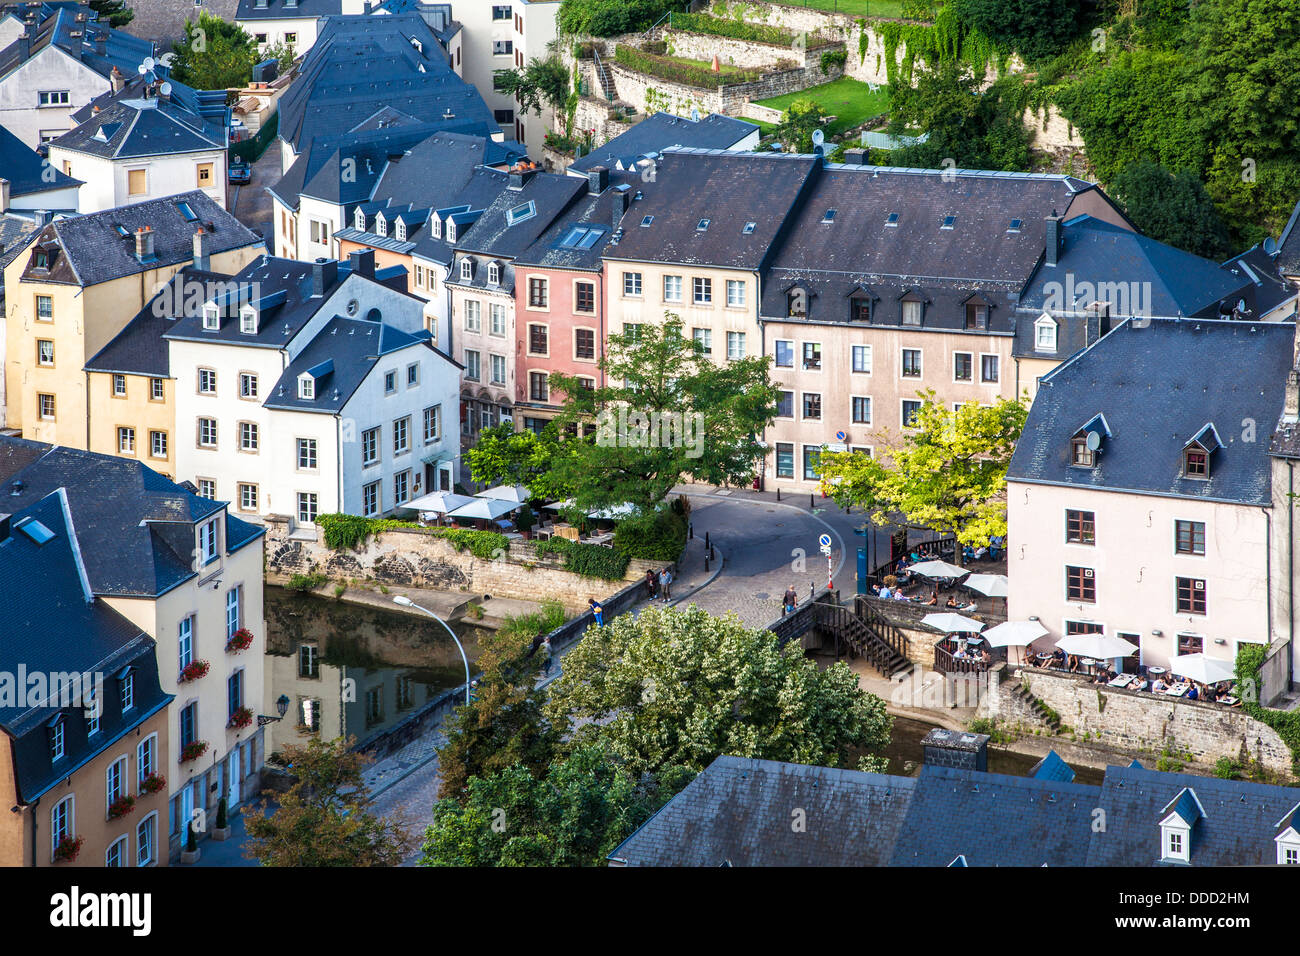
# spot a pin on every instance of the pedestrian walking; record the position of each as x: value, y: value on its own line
x: 789, y: 601
x: 665, y: 584
x: 652, y: 583
x: 597, y: 610
x: 546, y: 657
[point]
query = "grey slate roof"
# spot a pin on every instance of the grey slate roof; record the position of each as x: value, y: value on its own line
x: 121, y: 50
x: 659, y: 131
x: 133, y: 123
x: 360, y: 65
x: 163, y: 21
x: 1157, y: 388
x: 50, y: 625
x: 27, y: 171
x: 1288, y: 249
x: 279, y: 10
x: 492, y: 233
x: 595, y: 212
x: 90, y: 249
x: 728, y: 189
x: 135, y: 527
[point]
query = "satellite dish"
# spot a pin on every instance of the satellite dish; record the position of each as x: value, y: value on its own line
x: 1270, y: 245
x: 149, y: 63
x: 165, y: 89
x: 1093, y: 441
x: 818, y: 137
x: 142, y: 69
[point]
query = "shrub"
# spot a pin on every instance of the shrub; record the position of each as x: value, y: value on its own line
x: 588, y: 560
x: 305, y: 582
x: 687, y: 74
x: 221, y: 814
x: 833, y: 59
x: 734, y: 29
x: 658, y: 536
x: 1226, y: 768
x: 542, y: 621
x: 607, y: 18
x: 488, y: 545
x: 348, y: 531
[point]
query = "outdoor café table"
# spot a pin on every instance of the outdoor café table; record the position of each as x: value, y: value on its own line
x: 1178, y: 690
x: 1229, y: 701
x: 1120, y: 681
x: 1156, y: 670
x: 1089, y: 663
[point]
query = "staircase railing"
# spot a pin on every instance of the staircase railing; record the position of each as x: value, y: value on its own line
x: 602, y: 75
x: 887, y: 630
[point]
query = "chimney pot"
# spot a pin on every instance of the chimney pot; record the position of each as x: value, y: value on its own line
x: 4, y: 195
x: 1053, y: 239
x: 144, y: 244
x: 324, y: 273
x: 202, y: 245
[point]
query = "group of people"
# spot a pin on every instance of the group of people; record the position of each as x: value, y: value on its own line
x: 966, y: 652
x: 1162, y: 683
x: 659, y: 584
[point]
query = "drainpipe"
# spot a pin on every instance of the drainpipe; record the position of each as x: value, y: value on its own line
x: 338, y: 446
x: 1268, y: 570
x: 1290, y: 570
x: 90, y: 405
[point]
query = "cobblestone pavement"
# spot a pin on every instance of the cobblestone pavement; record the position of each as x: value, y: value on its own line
x: 252, y: 204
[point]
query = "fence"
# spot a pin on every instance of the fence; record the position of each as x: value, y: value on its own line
x: 252, y: 149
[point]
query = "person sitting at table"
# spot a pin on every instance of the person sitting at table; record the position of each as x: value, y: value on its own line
x: 1209, y: 694
x: 1058, y: 658
x: 952, y: 601
x: 960, y: 653
x: 1073, y: 663
x: 1193, y: 693
x: 1159, y: 687
x: 900, y: 596
x: 985, y: 656
x: 934, y: 598
x: 1137, y: 684
x: 884, y: 592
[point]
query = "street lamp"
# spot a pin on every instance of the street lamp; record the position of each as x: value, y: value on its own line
x: 282, y: 705
x: 405, y: 601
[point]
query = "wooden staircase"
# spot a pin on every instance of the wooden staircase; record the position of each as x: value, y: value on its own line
x: 866, y: 633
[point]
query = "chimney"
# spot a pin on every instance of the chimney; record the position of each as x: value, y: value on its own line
x: 1291, y: 407
x: 116, y: 80
x: 365, y: 8
x: 324, y: 273
x: 597, y: 180
x: 4, y: 195
x: 520, y: 173
x: 1053, y: 242
x: 101, y: 43
x: 857, y: 156
x: 1097, y: 321
x: 144, y: 244
x: 363, y: 262
x: 202, y: 245
x: 955, y: 748
x: 24, y: 46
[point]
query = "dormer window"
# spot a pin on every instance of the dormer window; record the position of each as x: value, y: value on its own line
x: 466, y: 270
x: 248, y: 320
x: 1087, y: 441
x: 977, y: 315
x: 211, y: 317
x: 436, y: 225
x: 381, y: 225
x: 1196, y: 464
x: 494, y: 273
x: 1197, y: 452
x: 306, y: 387
x: 1179, y: 819
x: 451, y: 230
x: 912, y: 309
x: 1080, y: 454
x: 359, y: 220
x: 797, y: 303
x: 859, y: 309
x: 1287, y: 839
x: 56, y: 738
x: 1045, y: 334
x: 401, y: 231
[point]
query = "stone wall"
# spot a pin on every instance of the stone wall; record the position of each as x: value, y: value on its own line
x: 746, y: 54
x: 411, y: 558
x: 1137, y: 722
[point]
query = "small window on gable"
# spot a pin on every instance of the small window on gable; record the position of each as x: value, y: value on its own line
x: 401, y: 231
x: 436, y: 225
x: 494, y: 273
x: 381, y: 224
x: 359, y: 220
x: 1045, y: 334
x: 1086, y: 443
x: 1197, y: 452
x: 248, y: 320
x: 466, y: 269
x: 306, y: 387
x: 211, y: 317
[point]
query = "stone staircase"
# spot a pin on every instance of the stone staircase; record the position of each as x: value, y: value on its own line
x: 603, y: 77
x: 1029, y: 704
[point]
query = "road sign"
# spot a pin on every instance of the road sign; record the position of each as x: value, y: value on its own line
x: 824, y: 541
x: 841, y: 436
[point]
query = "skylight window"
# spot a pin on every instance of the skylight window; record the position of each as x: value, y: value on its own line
x: 581, y: 237
x: 36, y: 531
x: 187, y: 212
x: 702, y: 225
x: 948, y: 222
x: 830, y: 216
x: 749, y: 228
x: 1015, y: 225
x: 518, y: 214
x: 645, y: 221
x: 122, y: 231
x: 892, y: 220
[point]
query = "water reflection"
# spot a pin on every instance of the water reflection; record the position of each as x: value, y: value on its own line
x: 905, y: 754
x: 349, y: 669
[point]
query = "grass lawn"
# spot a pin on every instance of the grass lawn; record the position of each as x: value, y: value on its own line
x: 723, y: 68
x: 851, y: 101
x: 857, y: 8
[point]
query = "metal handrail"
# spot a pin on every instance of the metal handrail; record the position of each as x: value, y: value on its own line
x: 601, y: 73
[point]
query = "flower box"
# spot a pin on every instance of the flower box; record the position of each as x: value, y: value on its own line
x: 240, y: 718
x: 193, y: 671
x: 152, y: 783
x: 193, y: 751
x: 68, y: 849
x: 241, y: 640
x: 121, y: 807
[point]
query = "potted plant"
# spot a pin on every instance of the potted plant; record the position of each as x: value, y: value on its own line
x: 68, y: 849
x: 193, y: 671
x: 191, y: 852
x: 241, y: 640
x: 525, y: 520
x: 193, y: 751
x: 241, y: 718
x: 152, y: 783
x: 222, y: 830
x: 121, y: 807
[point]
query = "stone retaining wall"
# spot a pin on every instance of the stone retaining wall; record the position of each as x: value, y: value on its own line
x: 411, y: 558
x: 1137, y: 722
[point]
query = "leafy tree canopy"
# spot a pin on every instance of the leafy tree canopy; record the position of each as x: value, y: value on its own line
x: 115, y: 13
x: 214, y: 55
x: 1173, y: 208
x: 540, y: 83
x: 1033, y: 28
x: 948, y: 474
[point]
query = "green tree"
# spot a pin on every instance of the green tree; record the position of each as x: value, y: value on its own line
x: 575, y: 815
x: 1171, y: 207
x: 949, y: 474
x: 113, y: 12
x: 281, y: 51
x: 540, y: 83
x: 1033, y: 28
x: 503, y: 456
x: 797, y: 125
x: 671, y: 688
x: 505, y: 727
x: 324, y: 819
x: 214, y: 55
x: 669, y: 412
x: 964, y: 127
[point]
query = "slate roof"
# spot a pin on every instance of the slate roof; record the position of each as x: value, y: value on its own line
x: 492, y: 233
x: 140, y: 349
x: 121, y: 50
x: 91, y: 250
x: 360, y: 65
x: 660, y: 131
x: 135, y: 527
x: 279, y: 10
x: 57, y: 628
x: 134, y: 123
x: 728, y: 189
x: 26, y: 170
x: 345, y: 351
x: 1288, y: 247
x: 1157, y: 387
x: 598, y: 213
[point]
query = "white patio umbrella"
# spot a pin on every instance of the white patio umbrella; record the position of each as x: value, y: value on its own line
x: 991, y: 585
x: 558, y: 505
x: 613, y: 512
x: 1202, y: 669
x: 1100, y: 646
x: 937, y: 569
x: 1014, y: 634
x: 517, y: 494
x: 438, y: 502
x: 951, y: 623
x: 484, y: 509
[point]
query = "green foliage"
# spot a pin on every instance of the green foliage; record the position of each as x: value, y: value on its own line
x: 798, y: 124
x: 502, y: 456
x: 343, y: 531
x: 488, y: 545
x: 1173, y: 208
x: 541, y: 83
x: 115, y: 13
x: 325, y: 818
x: 659, y: 535
x: 735, y: 29
x: 607, y: 18
x: 833, y: 60
x: 947, y: 40
x: 688, y: 74
x: 1250, y: 659
x: 1225, y: 768
x: 1033, y: 28
x: 584, y: 807
x: 542, y: 621
x: 305, y: 582
x: 850, y: 101
x: 214, y: 54
x: 221, y: 814
x: 588, y: 560
x: 948, y: 474
x: 678, y: 688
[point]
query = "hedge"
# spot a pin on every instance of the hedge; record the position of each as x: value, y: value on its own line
x: 1250, y: 660
x: 587, y: 560
x: 735, y: 29
x: 348, y: 531
x: 684, y: 73
x: 657, y: 537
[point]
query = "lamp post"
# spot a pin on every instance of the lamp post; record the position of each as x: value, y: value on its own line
x: 282, y: 705
x: 405, y: 601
